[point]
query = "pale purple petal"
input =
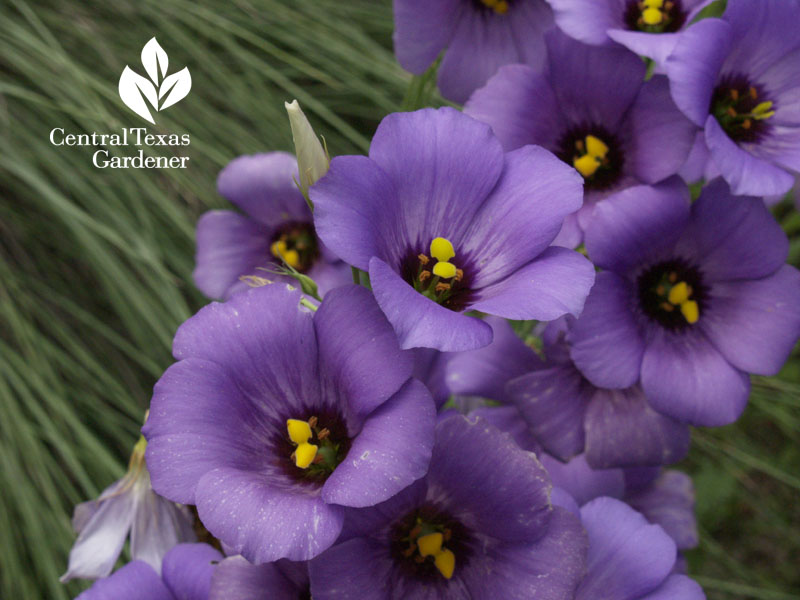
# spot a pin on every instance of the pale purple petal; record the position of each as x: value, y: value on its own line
x: 628, y: 557
x: 684, y: 376
x: 392, y: 450
x: 732, y: 237
x: 677, y: 587
x: 554, y: 284
x: 694, y: 65
x: 443, y: 164
x: 622, y: 430
x: 669, y: 502
x: 755, y: 324
x: 237, y: 579
x: 134, y: 581
x: 264, y: 522
x: 419, y: 321
x: 637, y: 225
x: 583, y: 482
x: 588, y: 21
x: 229, y: 245
x: 607, y: 346
x: 422, y: 30
x: 97, y: 548
x: 655, y: 46
x: 519, y: 104
x: 535, y: 193
x: 363, y: 363
x: 187, y: 570
x: 263, y: 186
x: 747, y: 174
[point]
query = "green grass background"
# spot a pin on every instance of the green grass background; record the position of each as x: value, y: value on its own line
x: 95, y: 264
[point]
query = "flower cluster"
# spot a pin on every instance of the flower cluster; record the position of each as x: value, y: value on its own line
x: 483, y: 411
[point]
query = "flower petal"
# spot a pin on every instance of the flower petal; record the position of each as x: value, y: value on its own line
x: 732, y: 237
x: 582, y: 482
x: 187, y: 570
x: 229, y: 245
x: 694, y: 65
x: 622, y: 430
x: 669, y: 502
x: 236, y: 579
x: 534, y: 195
x: 587, y: 21
x: 264, y: 522
x: 553, y: 284
x: 392, y: 450
x: 686, y: 378
x: 607, y: 346
x: 262, y: 185
x: 755, y: 324
x: 443, y: 164
x: 134, y: 581
x: 358, y: 350
x: 419, y: 321
x: 747, y: 174
x: 637, y: 225
x: 628, y: 557
x: 677, y: 587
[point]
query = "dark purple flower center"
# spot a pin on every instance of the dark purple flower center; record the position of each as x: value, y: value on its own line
x: 413, y: 552
x: 295, y: 243
x: 672, y: 294
x: 329, y: 435
x: 420, y: 270
x: 741, y: 108
x: 595, y: 152
x: 654, y: 16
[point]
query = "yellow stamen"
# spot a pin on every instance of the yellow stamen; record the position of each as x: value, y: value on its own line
x: 299, y: 431
x: 499, y: 6
x: 586, y: 165
x: 442, y: 249
x: 445, y: 561
x: 596, y: 147
x: 753, y: 93
x: 690, y: 311
x: 292, y: 258
x: 679, y: 293
x: 431, y: 544
x: 652, y: 16
x: 762, y: 111
x: 305, y: 454
x: 653, y: 3
x: 445, y: 270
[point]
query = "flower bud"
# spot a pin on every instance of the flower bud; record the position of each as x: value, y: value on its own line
x: 312, y: 160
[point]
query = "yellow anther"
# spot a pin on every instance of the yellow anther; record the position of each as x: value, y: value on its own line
x: 278, y: 248
x: 445, y: 561
x: 499, y: 6
x: 652, y: 16
x: 762, y: 111
x: 442, y: 249
x: 653, y: 3
x: 305, y: 454
x: 431, y: 544
x: 586, y: 165
x: 445, y: 270
x: 679, y: 293
x: 299, y: 431
x: 292, y: 258
x: 596, y: 147
x: 690, y: 311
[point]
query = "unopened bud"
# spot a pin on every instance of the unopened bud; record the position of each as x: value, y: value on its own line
x: 312, y: 160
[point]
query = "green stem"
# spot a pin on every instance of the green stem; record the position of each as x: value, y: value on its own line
x: 308, y: 304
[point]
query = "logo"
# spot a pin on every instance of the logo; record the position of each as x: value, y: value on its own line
x: 160, y: 91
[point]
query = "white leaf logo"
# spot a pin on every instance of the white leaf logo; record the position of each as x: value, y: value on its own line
x: 160, y: 88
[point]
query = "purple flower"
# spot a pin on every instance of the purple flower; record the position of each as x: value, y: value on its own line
x: 690, y: 301
x: 275, y: 418
x: 560, y: 408
x: 445, y: 222
x: 237, y: 579
x: 277, y: 227
x: 128, y: 506
x: 629, y: 558
x: 478, y: 37
x: 593, y: 109
x: 185, y: 575
x: 650, y: 27
x: 480, y: 525
x: 665, y: 498
x: 739, y: 79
